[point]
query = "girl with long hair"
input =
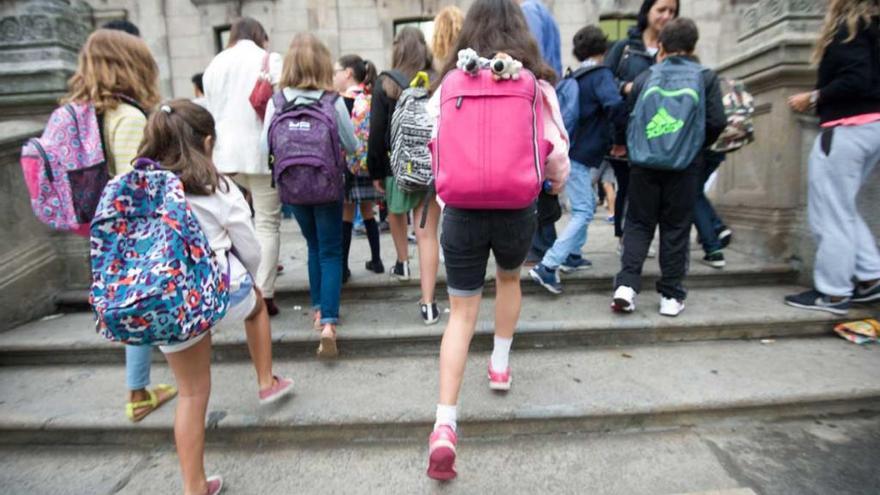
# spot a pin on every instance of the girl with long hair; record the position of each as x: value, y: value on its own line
x: 847, y: 100
x: 409, y: 56
x: 490, y: 27
x: 447, y: 25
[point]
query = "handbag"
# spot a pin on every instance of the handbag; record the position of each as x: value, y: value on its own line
x: 262, y: 91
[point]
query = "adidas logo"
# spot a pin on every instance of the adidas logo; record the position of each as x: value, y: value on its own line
x: 662, y: 124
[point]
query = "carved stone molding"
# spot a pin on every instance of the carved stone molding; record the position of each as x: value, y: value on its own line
x: 768, y: 13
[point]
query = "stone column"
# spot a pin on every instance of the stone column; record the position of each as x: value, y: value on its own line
x: 761, y: 189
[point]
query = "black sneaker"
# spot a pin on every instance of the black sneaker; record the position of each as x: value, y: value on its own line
x: 430, y: 314
x: 715, y: 260
x: 872, y: 293
x: 574, y: 263
x: 725, y: 235
x: 813, y: 299
x: 401, y: 270
x: 375, y: 266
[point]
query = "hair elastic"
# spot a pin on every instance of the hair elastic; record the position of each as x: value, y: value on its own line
x: 166, y: 109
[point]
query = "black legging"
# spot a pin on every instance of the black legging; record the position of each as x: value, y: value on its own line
x: 621, y: 172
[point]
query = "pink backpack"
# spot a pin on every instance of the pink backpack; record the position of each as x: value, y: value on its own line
x: 65, y: 169
x: 490, y: 150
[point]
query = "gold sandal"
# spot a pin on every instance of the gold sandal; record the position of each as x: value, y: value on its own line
x: 327, y: 348
x: 159, y: 395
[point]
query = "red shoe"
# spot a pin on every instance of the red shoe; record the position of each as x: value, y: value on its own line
x: 441, y: 453
x: 281, y: 388
x: 499, y: 380
x: 215, y: 485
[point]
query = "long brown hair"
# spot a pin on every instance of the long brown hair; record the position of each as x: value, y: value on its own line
x: 307, y: 64
x: 853, y: 13
x: 447, y: 25
x: 493, y: 26
x: 175, y: 137
x: 248, y: 28
x: 409, y: 55
x: 113, y: 63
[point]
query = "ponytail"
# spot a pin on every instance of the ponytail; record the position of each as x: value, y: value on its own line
x: 370, y: 75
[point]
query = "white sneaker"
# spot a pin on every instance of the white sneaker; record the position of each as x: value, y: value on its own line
x: 670, y: 306
x: 624, y: 300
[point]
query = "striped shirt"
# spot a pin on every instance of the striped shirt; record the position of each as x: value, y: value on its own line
x: 123, y: 132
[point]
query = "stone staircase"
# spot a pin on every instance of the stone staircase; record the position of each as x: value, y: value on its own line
x: 601, y: 403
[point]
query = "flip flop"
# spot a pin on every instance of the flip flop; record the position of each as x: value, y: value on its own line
x: 158, y: 395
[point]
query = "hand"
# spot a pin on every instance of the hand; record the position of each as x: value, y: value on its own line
x: 618, y: 151
x: 627, y: 88
x: 379, y: 186
x: 800, y: 102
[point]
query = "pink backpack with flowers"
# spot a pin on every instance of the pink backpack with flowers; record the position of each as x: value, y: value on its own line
x: 490, y: 150
x: 65, y: 169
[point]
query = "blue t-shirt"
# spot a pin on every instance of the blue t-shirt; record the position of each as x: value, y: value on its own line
x: 546, y: 32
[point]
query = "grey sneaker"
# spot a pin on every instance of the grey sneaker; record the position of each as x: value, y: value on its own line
x: 872, y: 293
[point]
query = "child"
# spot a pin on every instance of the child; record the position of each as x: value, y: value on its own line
x: 490, y: 27
x: 666, y: 196
x: 117, y: 74
x: 353, y: 78
x: 409, y: 56
x: 180, y: 136
x: 307, y: 76
x: 600, y: 107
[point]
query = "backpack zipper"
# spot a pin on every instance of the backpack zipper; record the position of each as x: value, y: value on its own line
x: 535, y: 130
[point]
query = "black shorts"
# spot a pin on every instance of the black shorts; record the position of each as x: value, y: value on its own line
x: 468, y: 237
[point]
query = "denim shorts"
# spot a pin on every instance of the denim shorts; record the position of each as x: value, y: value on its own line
x: 468, y: 237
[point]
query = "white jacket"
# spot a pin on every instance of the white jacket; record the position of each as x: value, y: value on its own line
x: 229, y: 80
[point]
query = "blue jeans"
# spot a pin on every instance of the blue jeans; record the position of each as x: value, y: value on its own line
x: 321, y: 225
x: 706, y: 220
x: 137, y: 366
x: 579, y: 190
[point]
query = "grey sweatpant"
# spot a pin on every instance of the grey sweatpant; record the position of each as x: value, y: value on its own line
x: 840, y: 162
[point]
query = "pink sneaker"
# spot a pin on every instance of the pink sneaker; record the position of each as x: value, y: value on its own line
x: 215, y: 485
x: 499, y: 380
x: 282, y: 387
x: 441, y: 453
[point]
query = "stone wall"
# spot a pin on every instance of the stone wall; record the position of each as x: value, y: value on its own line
x: 181, y: 33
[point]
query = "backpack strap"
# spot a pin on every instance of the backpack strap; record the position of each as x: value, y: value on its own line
x: 397, y: 77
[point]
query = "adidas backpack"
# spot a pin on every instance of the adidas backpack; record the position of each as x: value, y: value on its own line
x: 155, y: 278
x: 568, y: 92
x: 65, y: 169
x: 739, y: 107
x: 411, y: 128
x: 490, y: 150
x: 667, y: 128
x: 305, y: 155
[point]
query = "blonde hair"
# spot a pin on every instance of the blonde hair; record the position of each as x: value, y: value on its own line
x: 851, y: 12
x: 113, y: 63
x: 447, y: 25
x: 307, y: 64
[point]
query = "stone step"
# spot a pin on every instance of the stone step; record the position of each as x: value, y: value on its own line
x: 694, y: 461
x: 389, y: 328
x: 742, y: 270
x: 393, y: 398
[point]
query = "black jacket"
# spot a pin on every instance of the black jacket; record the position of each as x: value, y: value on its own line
x: 628, y: 58
x: 601, y: 110
x: 849, y: 74
x: 716, y: 119
x: 379, y: 141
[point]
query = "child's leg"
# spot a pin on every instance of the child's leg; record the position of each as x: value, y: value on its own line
x: 641, y: 221
x: 192, y: 370
x: 429, y: 246
x: 454, y: 346
x: 508, y: 302
x: 397, y: 223
x: 372, y: 229
x: 677, y: 199
x: 259, y: 340
x: 137, y: 371
x: 348, y: 210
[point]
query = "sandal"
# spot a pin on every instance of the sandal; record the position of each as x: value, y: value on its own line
x: 159, y: 395
x: 317, y: 323
x: 327, y: 348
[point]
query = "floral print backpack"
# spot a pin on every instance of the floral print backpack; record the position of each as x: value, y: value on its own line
x: 155, y: 278
x: 360, y: 118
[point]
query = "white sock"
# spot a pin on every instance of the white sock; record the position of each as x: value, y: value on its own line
x: 446, y: 415
x: 501, y: 353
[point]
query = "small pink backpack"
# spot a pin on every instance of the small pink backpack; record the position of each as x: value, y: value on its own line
x: 490, y: 150
x: 65, y: 169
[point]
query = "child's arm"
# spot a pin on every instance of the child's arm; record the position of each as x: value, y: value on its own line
x: 346, y: 128
x: 264, y: 134
x: 240, y: 227
x: 608, y: 96
x: 557, y: 166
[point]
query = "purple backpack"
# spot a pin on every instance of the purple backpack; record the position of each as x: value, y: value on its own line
x: 65, y: 169
x: 304, y: 152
